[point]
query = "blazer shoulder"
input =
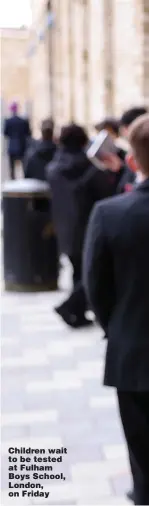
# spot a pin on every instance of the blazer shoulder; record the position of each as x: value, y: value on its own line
x: 113, y: 212
x: 119, y: 203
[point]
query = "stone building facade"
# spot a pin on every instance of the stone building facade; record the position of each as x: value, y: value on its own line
x: 15, y: 81
x: 90, y: 59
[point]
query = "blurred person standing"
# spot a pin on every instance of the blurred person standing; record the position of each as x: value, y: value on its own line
x: 42, y: 153
x: 128, y: 117
x: 17, y: 131
x: 76, y: 185
x: 118, y: 172
x: 110, y: 124
x: 116, y: 280
x: 121, y: 174
x: 125, y: 122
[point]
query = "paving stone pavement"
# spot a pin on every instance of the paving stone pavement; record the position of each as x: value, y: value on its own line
x: 52, y: 397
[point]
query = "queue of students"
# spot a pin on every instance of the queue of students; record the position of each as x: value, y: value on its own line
x: 101, y: 219
x: 76, y: 185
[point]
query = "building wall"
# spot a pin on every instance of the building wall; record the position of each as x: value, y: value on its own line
x: 127, y: 50
x: 38, y: 60
x: 145, y: 30
x: 81, y: 66
x: 93, y: 61
x: 14, y: 67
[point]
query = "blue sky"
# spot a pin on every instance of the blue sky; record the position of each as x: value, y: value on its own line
x: 14, y: 13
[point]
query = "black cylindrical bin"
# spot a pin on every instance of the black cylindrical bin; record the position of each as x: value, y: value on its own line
x: 30, y: 245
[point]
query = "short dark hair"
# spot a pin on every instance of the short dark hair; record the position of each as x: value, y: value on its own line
x: 73, y: 137
x: 139, y: 141
x: 108, y: 123
x: 131, y: 114
x: 47, y: 127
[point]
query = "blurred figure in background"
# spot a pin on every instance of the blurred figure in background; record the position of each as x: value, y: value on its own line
x: 128, y: 117
x: 121, y: 174
x: 111, y: 125
x: 118, y: 172
x: 126, y: 120
x: 76, y: 185
x: 30, y: 149
x: 42, y: 153
x: 17, y: 131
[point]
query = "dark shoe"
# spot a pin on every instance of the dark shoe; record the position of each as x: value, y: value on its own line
x: 130, y: 495
x: 83, y: 322
x: 71, y: 319
x: 68, y: 318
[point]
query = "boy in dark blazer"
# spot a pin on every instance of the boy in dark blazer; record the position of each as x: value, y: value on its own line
x: 116, y: 280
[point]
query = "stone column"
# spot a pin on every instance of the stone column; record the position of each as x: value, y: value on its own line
x: 49, y: 56
x: 145, y: 22
x: 127, y: 54
x: 63, y: 62
x: 108, y: 55
x: 86, y: 60
x: 94, y: 65
x: 96, y: 59
x: 77, y: 55
x: 39, y: 66
x: 71, y: 72
x: 82, y: 60
x: 39, y: 75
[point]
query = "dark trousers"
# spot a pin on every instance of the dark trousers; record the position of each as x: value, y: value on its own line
x: 134, y: 412
x: 77, y: 270
x: 76, y: 303
x: 12, y: 163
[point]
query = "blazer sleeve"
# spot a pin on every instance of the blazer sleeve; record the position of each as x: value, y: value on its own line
x: 98, y: 269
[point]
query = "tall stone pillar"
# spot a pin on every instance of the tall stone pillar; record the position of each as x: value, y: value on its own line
x: 127, y: 54
x: 63, y: 61
x: 82, y: 60
x: 88, y: 60
x: 39, y: 76
x: 145, y: 22
x: 79, y: 59
x: 108, y: 55
x: 39, y: 65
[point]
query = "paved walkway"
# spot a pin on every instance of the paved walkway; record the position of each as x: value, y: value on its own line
x: 52, y: 396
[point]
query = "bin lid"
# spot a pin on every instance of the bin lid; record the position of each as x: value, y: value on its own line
x: 25, y: 187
